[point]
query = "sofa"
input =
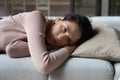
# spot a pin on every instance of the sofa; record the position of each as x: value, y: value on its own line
x: 75, y: 68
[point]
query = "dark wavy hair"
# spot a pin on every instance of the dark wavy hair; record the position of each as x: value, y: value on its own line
x: 84, y: 23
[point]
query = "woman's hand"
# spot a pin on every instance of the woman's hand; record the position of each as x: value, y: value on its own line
x: 71, y: 48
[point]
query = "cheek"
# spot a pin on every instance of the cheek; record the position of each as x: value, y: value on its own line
x: 56, y: 30
x: 77, y: 36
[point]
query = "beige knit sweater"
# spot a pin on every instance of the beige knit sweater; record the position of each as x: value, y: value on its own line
x: 24, y: 34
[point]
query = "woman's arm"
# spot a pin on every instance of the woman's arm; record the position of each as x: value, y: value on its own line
x: 44, y: 61
x: 17, y: 48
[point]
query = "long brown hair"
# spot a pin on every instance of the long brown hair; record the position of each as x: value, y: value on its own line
x: 50, y: 23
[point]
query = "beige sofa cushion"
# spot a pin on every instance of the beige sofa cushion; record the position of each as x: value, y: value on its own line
x: 104, y: 45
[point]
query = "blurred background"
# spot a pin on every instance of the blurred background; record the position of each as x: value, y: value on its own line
x: 61, y: 7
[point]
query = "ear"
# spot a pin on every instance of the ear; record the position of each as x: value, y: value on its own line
x: 59, y: 19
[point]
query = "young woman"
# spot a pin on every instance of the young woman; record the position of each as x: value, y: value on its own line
x: 48, y: 42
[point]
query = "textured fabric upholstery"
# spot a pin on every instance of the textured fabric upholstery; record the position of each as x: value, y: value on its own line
x: 84, y: 69
x: 18, y: 69
x: 117, y: 71
x: 114, y: 21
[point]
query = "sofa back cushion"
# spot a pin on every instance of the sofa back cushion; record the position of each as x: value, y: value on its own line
x: 114, y: 21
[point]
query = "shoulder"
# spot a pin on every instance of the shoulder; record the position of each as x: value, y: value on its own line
x: 36, y: 12
x: 32, y: 14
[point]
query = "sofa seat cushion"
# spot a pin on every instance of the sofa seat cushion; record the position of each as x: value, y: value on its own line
x: 83, y: 69
x: 18, y: 69
x: 117, y: 71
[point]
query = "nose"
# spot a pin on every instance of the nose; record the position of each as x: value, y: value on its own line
x: 64, y: 38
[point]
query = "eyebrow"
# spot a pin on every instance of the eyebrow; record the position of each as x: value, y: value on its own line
x: 71, y: 41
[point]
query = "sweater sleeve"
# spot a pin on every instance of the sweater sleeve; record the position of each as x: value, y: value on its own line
x: 44, y: 61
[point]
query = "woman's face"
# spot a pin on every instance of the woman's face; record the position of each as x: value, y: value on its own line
x: 63, y: 33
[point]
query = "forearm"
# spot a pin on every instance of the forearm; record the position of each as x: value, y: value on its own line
x: 17, y: 49
x: 49, y: 61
